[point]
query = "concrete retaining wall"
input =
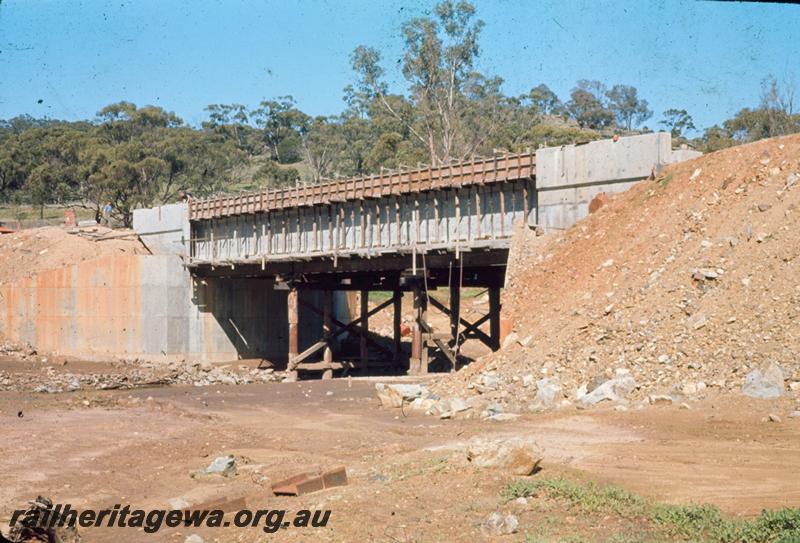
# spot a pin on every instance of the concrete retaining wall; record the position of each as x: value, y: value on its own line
x: 163, y: 229
x: 568, y: 177
x: 149, y: 307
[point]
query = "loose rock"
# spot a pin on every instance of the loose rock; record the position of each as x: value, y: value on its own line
x: 397, y: 395
x: 660, y: 399
x: 514, y: 455
x: 548, y: 390
x: 766, y: 384
x: 178, y: 503
x: 497, y: 524
x: 222, y: 465
x: 612, y: 390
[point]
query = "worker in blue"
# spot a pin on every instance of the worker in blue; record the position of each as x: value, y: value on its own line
x: 107, y: 209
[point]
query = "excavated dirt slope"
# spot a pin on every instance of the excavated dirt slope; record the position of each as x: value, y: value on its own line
x: 688, y: 281
x: 27, y: 252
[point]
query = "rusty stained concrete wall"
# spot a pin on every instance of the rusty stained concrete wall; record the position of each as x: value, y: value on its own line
x: 148, y: 306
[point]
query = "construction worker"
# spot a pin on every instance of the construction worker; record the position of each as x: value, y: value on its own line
x: 107, y: 213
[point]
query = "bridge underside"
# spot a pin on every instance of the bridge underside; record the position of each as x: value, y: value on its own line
x: 418, y: 275
x: 482, y: 268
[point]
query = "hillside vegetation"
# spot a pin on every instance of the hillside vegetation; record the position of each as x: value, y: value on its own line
x: 136, y: 156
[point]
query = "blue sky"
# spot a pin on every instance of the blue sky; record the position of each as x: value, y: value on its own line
x: 79, y: 55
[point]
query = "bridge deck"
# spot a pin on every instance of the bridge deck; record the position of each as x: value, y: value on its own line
x: 470, y: 218
x: 470, y: 206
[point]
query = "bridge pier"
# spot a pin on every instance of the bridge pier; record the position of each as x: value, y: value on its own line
x: 332, y: 328
x: 362, y: 340
x: 327, y: 330
x: 494, y: 317
x: 397, y: 302
x: 418, y: 363
x: 294, y: 343
x: 455, y: 317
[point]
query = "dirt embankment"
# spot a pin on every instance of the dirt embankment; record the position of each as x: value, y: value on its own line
x: 27, y: 252
x: 688, y: 281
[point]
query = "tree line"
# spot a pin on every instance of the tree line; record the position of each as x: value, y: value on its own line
x: 142, y: 156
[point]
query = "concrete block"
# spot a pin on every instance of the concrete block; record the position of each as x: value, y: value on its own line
x: 682, y: 155
x: 563, y: 207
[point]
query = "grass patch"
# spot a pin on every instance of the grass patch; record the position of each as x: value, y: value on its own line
x: 700, y: 523
x: 589, y: 497
x: 378, y: 296
x: 428, y: 467
x: 441, y: 294
x: 706, y: 522
x: 664, y: 181
x: 21, y: 212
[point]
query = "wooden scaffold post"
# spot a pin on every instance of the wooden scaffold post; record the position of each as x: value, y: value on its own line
x: 293, y: 318
x: 327, y: 331
x: 494, y: 317
x: 363, y: 350
x: 397, y: 301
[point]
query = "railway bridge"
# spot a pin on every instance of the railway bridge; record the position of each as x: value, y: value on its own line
x: 407, y: 230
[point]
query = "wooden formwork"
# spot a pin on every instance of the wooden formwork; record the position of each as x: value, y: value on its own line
x: 481, y: 171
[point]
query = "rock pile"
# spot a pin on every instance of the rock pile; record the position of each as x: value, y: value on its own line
x: 46, y: 378
x: 683, y: 285
x: 23, y: 352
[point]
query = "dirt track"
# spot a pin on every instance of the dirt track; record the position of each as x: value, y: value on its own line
x: 409, y: 481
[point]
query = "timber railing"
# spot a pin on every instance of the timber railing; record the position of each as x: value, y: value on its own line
x: 481, y: 171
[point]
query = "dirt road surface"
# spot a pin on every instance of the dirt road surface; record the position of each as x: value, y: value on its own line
x: 409, y: 480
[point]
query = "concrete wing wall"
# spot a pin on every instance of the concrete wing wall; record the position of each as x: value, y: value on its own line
x: 163, y: 229
x: 91, y: 307
x: 568, y: 177
x: 149, y: 307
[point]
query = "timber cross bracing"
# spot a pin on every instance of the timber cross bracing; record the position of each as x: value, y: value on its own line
x: 458, y: 207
